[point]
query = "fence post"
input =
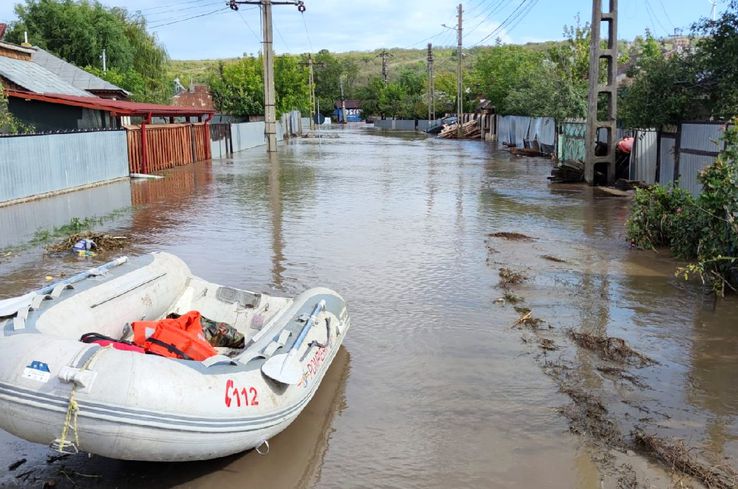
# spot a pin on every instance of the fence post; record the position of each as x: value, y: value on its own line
x: 677, y: 153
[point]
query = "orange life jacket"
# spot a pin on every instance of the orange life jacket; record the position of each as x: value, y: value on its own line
x: 175, y: 338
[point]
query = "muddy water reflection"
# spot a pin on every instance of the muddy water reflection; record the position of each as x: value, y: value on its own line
x: 441, y: 392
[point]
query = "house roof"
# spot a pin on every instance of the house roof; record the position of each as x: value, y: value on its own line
x: 199, y: 97
x: 35, y: 78
x: 15, y: 47
x: 73, y: 75
x: 115, y: 107
x: 350, y: 104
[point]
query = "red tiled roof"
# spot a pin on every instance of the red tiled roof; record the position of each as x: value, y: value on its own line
x: 115, y: 107
x: 199, y: 98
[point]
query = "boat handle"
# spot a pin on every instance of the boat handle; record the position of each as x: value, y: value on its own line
x: 320, y: 306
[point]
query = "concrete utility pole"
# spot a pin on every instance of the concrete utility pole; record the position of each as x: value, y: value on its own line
x: 459, y: 73
x: 343, y: 101
x: 431, y: 86
x: 311, y: 80
x: 608, y: 90
x: 270, y: 110
x: 385, y: 55
x: 104, y: 61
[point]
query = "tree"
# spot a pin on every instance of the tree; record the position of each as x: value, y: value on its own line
x: 238, y: 87
x: 79, y: 31
x: 716, y: 56
x: 501, y: 69
x: 664, y: 91
x: 291, y: 84
x: 9, y: 124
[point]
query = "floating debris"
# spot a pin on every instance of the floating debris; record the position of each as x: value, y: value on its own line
x: 509, y: 278
x: 588, y: 416
x: 511, y: 236
x: 621, y: 374
x: 611, y: 348
x: 103, y: 242
x: 547, y: 344
x: 553, y: 259
x: 16, y: 464
x: 676, y: 455
x: 511, y: 298
x: 526, y: 318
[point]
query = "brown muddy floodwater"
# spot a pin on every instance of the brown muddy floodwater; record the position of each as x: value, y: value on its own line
x: 434, y: 388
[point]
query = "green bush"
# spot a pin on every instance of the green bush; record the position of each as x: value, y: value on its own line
x: 658, y: 215
x: 702, y: 230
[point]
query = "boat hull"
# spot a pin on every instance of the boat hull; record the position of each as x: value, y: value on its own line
x: 129, y: 406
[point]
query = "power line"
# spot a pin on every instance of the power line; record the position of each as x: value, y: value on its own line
x: 220, y: 10
x: 256, y: 36
x: 167, y: 13
x: 510, y: 18
x: 307, y: 33
x: 169, y: 5
x: 493, y: 10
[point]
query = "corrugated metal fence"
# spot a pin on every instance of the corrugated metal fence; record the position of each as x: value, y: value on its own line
x: 523, y: 131
x: 644, y: 156
x: 699, y: 145
x: 572, y: 141
x: 220, y: 140
x: 677, y: 157
x: 40, y: 164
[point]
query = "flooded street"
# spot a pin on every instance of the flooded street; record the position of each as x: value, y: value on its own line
x: 435, y: 387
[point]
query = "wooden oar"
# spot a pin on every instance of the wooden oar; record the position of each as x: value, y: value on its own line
x: 286, y: 368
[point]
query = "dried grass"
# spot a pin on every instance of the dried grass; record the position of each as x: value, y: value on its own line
x: 509, y: 278
x: 104, y: 242
x: 676, y: 455
x: 611, y: 348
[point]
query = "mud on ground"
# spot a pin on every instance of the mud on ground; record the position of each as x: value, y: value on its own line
x: 628, y: 459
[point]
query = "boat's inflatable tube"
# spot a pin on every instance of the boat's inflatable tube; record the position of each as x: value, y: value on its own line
x: 59, y: 391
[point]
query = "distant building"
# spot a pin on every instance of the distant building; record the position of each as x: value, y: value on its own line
x: 197, y: 96
x: 353, y: 110
x: 48, y: 102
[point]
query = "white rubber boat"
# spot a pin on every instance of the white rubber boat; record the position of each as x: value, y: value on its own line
x: 127, y: 405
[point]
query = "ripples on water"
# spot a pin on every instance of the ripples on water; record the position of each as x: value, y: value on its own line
x: 441, y: 393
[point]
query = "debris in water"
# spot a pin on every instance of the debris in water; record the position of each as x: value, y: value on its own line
x: 676, y: 455
x: 620, y: 373
x: 511, y: 298
x: 588, y: 416
x: 628, y: 480
x: 24, y: 475
x: 526, y: 318
x: 509, y: 278
x: 553, y: 259
x: 50, y: 459
x: 103, y: 242
x: 547, y: 344
x: 611, y: 348
x: 16, y: 464
x: 511, y: 236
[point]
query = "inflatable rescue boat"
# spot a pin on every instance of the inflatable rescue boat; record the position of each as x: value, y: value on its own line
x: 118, y: 400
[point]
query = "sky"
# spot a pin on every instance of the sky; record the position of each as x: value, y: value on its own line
x: 207, y: 29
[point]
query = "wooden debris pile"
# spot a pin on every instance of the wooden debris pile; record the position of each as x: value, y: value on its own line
x: 470, y: 130
x: 568, y: 172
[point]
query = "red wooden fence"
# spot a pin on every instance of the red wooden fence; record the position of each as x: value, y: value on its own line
x: 167, y: 146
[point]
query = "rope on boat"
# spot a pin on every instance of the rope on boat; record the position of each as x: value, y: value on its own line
x: 61, y: 444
